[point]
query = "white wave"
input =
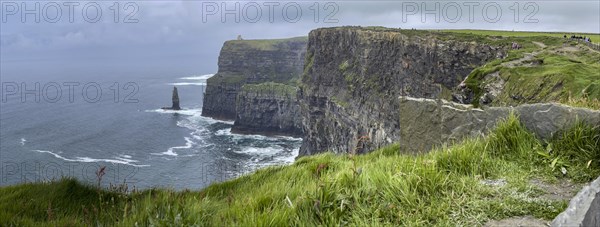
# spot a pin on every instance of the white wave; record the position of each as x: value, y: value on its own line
x: 260, y: 151
x: 189, y: 112
x: 188, y: 144
x: 290, y: 138
x: 227, y: 132
x: 23, y: 140
x: 199, y: 118
x: 117, y: 160
x: 224, y: 132
x: 195, y: 113
x: 188, y: 84
x: 289, y: 159
x: 201, y: 77
x: 125, y: 156
x: 264, y: 157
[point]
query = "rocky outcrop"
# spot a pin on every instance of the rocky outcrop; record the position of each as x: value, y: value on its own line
x: 425, y: 123
x: 584, y: 208
x: 175, y: 100
x: 354, y: 75
x: 251, y: 62
x: 268, y: 108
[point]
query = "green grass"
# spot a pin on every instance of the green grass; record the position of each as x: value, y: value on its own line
x: 566, y: 71
x: 261, y: 44
x: 384, y: 187
x: 271, y: 88
x: 594, y: 36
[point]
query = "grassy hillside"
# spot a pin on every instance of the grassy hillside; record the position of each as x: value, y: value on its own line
x: 465, y: 184
x: 547, y: 68
x: 271, y: 88
x: 594, y: 36
x: 262, y: 44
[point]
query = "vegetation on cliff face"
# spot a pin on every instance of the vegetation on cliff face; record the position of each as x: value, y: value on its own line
x: 263, y: 49
x: 271, y: 88
x: 251, y: 62
x: 464, y: 184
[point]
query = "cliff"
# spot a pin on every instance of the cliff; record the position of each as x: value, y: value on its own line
x: 268, y: 108
x: 353, y: 76
x: 251, y: 62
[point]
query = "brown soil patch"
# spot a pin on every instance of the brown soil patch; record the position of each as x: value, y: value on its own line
x: 562, y: 190
x: 528, y: 221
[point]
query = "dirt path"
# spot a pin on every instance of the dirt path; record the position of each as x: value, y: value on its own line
x: 541, y: 45
x: 528, y: 221
x: 563, y: 190
x: 527, y: 57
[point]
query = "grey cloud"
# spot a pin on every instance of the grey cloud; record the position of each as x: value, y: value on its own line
x: 173, y: 33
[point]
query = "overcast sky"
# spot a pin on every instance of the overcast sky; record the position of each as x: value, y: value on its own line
x: 184, y: 37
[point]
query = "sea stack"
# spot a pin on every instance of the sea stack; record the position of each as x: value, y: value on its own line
x: 175, y: 99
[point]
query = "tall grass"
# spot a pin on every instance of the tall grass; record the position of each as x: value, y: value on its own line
x: 385, y: 187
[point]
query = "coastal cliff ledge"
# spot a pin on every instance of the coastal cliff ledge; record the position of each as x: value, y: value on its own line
x: 251, y: 62
x: 268, y: 108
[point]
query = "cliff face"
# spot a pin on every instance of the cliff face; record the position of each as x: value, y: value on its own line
x: 268, y: 108
x: 353, y: 76
x: 251, y: 62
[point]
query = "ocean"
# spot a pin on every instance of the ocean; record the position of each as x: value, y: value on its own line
x: 63, y: 128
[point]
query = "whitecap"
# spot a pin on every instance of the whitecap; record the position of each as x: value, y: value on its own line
x: 125, y: 156
x: 195, y: 113
x: 289, y: 159
x: 224, y: 132
x: 170, y: 152
x: 201, y: 77
x: 209, y: 120
x: 189, y: 112
x: 260, y: 151
x: 88, y: 159
x: 23, y: 140
x: 188, y: 84
x: 235, y: 136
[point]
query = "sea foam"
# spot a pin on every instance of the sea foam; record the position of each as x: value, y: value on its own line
x: 117, y: 160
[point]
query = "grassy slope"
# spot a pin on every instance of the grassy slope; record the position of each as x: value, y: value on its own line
x: 384, y: 187
x: 595, y: 37
x: 261, y: 44
x: 271, y: 88
x: 569, y: 72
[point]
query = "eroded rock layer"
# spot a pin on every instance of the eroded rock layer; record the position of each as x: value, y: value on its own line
x: 268, y: 108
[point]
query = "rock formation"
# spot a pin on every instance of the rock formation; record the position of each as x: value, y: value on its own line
x: 251, y: 62
x: 354, y: 75
x: 425, y: 123
x: 268, y: 108
x: 175, y: 99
